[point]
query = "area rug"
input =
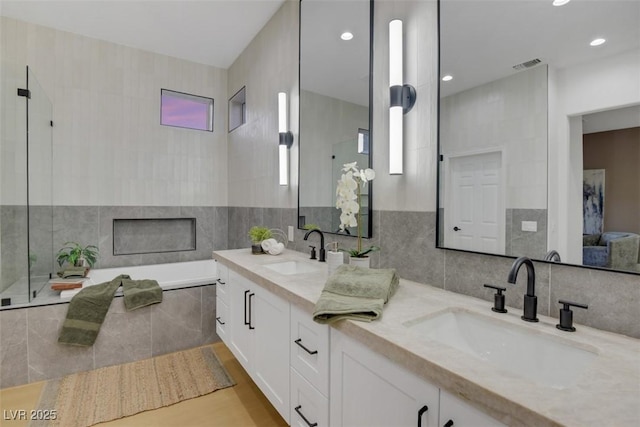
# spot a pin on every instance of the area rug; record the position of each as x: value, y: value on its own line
x: 113, y: 392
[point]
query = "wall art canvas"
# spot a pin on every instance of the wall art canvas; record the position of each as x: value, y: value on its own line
x: 593, y: 201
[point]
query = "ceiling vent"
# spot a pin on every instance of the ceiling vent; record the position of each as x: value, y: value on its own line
x: 528, y: 64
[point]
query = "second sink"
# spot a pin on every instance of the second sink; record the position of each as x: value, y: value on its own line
x: 542, y: 359
x: 291, y: 267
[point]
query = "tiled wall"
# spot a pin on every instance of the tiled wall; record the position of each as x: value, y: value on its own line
x: 30, y: 351
x: 93, y: 225
x: 408, y: 240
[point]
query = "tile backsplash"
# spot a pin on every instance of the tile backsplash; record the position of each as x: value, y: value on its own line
x: 408, y: 240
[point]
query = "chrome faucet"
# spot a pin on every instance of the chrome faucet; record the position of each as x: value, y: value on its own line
x: 321, y: 257
x: 552, y: 256
x: 530, y: 298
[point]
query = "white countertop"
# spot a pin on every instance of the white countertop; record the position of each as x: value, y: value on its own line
x: 607, y: 393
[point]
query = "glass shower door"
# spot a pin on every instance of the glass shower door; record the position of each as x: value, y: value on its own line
x: 41, y: 260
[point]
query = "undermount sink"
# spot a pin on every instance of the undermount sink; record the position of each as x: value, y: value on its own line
x: 545, y: 360
x: 291, y: 267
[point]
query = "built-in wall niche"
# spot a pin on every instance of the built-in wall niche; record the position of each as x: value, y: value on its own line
x: 237, y: 109
x: 153, y: 235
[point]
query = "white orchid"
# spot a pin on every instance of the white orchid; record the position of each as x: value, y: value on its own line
x: 348, y: 200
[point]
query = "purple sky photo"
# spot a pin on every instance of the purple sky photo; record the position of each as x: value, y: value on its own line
x: 184, y: 113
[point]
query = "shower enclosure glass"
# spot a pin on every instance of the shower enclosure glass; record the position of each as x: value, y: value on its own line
x: 26, y: 213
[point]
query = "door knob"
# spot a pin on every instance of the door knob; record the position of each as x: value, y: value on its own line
x: 456, y: 228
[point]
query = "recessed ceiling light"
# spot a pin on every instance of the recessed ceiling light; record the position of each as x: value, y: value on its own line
x: 560, y: 2
x: 346, y: 35
x: 447, y: 78
x: 597, y: 42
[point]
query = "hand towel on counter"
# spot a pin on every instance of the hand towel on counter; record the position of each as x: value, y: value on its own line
x: 355, y: 293
x: 89, y: 307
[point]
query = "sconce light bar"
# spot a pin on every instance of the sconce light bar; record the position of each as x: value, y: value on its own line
x: 402, y: 98
x: 285, y: 139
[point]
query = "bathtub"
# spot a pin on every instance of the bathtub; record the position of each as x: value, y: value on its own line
x: 169, y: 276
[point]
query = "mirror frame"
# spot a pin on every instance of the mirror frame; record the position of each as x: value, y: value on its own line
x: 370, y: 165
x: 440, y: 220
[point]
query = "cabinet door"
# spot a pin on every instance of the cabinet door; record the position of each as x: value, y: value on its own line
x: 222, y: 320
x: 308, y: 405
x: 310, y: 349
x: 370, y: 390
x: 461, y: 414
x: 240, y: 337
x: 270, y: 320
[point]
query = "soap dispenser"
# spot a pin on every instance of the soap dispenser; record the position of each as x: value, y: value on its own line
x: 334, y: 257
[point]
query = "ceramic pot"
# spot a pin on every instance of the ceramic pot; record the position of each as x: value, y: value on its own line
x: 360, y: 262
x: 257, y: 249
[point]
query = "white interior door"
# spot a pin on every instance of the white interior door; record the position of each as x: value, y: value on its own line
x: 475, y: 211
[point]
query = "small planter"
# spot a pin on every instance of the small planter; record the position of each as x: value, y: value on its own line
x: 256, y: 249
x: 360, y: 262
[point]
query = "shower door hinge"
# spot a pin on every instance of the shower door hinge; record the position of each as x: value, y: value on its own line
x: 24, y: 92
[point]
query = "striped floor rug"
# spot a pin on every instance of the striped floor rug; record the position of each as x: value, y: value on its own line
x: 113, y: 392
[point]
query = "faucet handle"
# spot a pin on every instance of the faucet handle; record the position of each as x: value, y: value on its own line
x: 498, y: 298
x: 566, y: 315
x: 313, y: 252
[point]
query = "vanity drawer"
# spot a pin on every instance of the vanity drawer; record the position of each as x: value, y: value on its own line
x: 222, y: 320
x: 308, y: 405
x: 310, y: 349
x: 222, y: 284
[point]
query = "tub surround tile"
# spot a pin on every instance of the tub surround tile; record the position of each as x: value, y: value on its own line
x: 125, y: 336
x: 47, y: 358
x: 177, y: 325
x: 14, y: 369
x: 220, y: 225
x: 208, y: 298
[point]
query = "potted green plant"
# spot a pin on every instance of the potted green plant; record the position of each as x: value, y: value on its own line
x: 257, y: 234
x: 75, y: 255
x: 348, y: 199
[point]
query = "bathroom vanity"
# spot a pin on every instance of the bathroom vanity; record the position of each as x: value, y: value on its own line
x: 435, y: 358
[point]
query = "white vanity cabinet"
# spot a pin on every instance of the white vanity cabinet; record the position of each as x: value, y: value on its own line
x: 370, y: 390
x: 259, y: 338
x: 309, y: 346
x: 222, y: 303
x: 457, y: 413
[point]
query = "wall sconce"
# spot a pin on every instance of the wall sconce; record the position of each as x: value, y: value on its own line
x: 286, y: 139
x: 402, y: 98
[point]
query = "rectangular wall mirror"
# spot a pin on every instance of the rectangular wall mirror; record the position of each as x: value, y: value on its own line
x: 540, y: 130
x: 335, y: 99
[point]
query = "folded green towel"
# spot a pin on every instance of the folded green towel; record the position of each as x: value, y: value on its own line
x: 87, y: 311
x: 355, y: 293
x: 141, y: 293
x: 89, y: 307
